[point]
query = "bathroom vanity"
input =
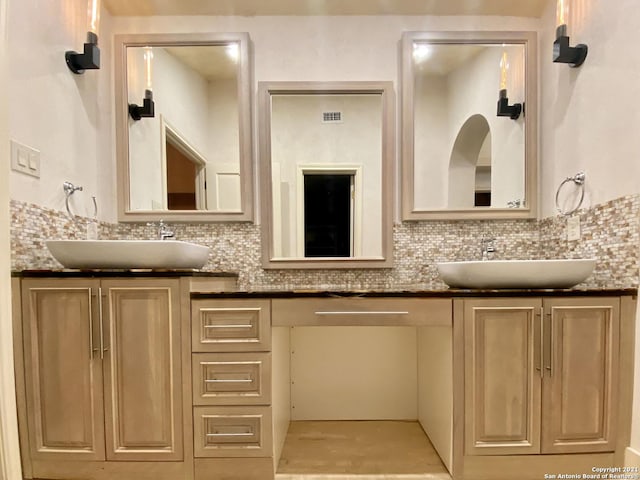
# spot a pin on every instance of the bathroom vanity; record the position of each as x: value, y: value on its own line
x: 171, y: 376
x: 101, y: 361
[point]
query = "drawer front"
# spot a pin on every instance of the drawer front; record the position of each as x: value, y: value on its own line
x: 232, y: 431
x: 231, y: 325
x: 231, y: 378
x: 356, y: 311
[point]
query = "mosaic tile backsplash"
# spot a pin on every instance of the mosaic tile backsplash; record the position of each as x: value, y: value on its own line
x: 610, y: 233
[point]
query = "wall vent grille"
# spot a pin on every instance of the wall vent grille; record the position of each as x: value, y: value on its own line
x: 331, y: 117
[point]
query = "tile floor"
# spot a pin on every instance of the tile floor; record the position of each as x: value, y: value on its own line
x: 359, y: 450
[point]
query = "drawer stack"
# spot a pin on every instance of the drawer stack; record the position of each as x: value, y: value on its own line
x: 231, y: 360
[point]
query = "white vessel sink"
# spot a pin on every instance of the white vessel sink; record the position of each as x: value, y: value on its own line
x: 159, y: 254
x: 516, y: 273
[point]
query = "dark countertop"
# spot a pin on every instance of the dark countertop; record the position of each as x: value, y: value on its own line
x: 443, y: 293
x: 310, y: 293
x: 71, y: 273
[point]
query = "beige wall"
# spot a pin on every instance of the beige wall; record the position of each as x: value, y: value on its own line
x: 223, y: 174
x: 431, y: 146
x: 67, y: 117
x: 588, y: 121
x: 370, y: 373
x: 587, y: 114
x: 9, y: 453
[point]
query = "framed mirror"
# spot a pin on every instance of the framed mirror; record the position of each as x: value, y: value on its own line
x: 326, y: 161
x: 183, y: 127
x: 469, y: 125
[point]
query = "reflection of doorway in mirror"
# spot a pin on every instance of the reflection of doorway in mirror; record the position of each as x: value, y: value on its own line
x: 328, y: 207
x: 181, y: 174
x: 483, y: 174
x: 184, y: 170
x: 223, y: 182
x: 329, y: 211
x: 467, y: 167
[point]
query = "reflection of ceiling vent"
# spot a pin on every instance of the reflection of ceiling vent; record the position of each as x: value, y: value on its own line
x: 331, y: 117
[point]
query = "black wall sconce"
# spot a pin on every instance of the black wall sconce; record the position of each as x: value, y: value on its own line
x: 506, y: 110
x: 562, y: 52
x: 89, y: 59
x: 146, y: 110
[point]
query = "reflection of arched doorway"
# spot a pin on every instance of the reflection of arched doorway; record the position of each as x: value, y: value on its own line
x: 470, y: 165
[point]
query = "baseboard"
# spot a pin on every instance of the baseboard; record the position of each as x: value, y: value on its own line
x: 631, y: 457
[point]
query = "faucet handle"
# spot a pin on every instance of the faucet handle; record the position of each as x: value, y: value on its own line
x: 487, y: 246
x: 164, y: 232
x: 162, y: 229
x: 489, y: 243
x: 487, y: 238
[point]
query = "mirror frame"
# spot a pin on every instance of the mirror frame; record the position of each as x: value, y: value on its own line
x: 529, y: 41
x: 385, y: 90
x: 121, y: 42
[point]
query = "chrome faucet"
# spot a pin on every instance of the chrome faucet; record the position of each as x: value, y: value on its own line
x: 164, y: 232
x: 487, y: 246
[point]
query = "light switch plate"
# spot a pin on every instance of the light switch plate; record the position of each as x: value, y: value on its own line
x: 573, y: 228
x: 25, y: 159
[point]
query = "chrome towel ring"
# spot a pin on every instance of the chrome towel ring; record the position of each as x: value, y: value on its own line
x: 577, y: 179
x: 69, y: 189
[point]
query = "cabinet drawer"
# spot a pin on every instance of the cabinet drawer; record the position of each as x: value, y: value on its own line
x: 232, y: 431
x: 231, y: 325
x: 356, y: 311
x: 231, y: 378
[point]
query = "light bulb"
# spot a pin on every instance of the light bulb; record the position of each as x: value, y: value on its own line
x: 562, y: 11
x: 421, y: 52
x: 148, y: 57
x: 233, y: 51
x: 504, y: 67
x: 93, y: 15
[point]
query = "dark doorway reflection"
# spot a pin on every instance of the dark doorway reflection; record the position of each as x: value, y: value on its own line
x: 327, y: 215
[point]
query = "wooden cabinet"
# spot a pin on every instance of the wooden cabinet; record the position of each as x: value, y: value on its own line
x: 581, y: 375
x: 103, y: 374
x: 502, y: 385
x: 142, y: 370
x: 231, y: 365
x: 541, y: 375
x: 128, y: 378
x: 63, y: 378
